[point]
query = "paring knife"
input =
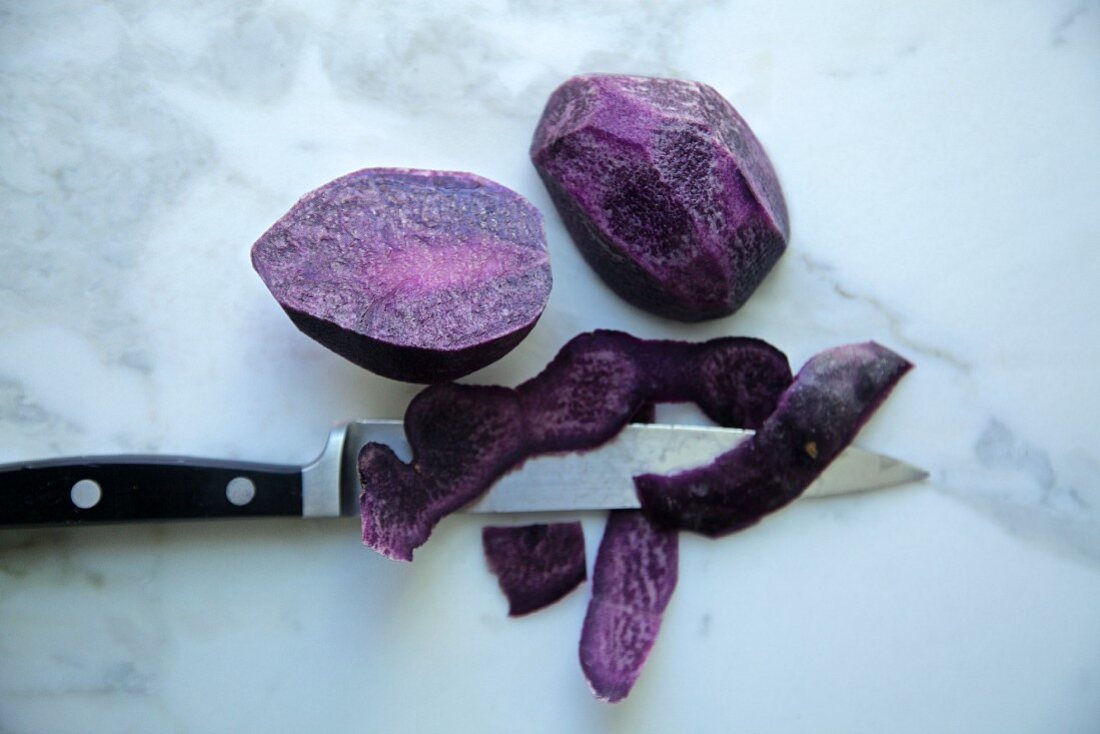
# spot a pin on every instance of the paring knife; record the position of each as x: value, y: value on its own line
x: 106, y: 489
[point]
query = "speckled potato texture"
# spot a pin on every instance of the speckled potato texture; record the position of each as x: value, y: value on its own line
x: 421, y: 276
x: 464, y: 437
x: 832, y: 396
x: 664, y: 189
x: 537, y: 564
x: 636, y: 570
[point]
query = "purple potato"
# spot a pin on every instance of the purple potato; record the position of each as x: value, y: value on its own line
x: 465, y: 437
x: 535, y: 564
x: 635, y: 574
x: 832, y: 396
x: 665, y: 190
x: 420, y: 276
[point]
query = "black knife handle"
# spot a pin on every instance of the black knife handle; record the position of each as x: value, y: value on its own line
x: 106, y: 489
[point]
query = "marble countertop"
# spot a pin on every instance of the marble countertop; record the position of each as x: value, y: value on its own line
x: 941, y: 163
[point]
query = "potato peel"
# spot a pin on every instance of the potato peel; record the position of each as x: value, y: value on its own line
x: 465, y: 437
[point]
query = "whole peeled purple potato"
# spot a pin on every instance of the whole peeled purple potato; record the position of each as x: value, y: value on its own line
x: 421, y: 276
x: 665, y: 190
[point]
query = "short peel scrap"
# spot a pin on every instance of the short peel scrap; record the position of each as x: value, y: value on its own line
x: 832, y: 396
x: 464, y: 437
x: 537, y: 564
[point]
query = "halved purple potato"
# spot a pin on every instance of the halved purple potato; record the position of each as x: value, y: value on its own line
x: 421, y: 276
x: 464, y: 437
x: 633, y: 579
x: 665, y: 190
x: 830, y: 399
x: 535, y: 564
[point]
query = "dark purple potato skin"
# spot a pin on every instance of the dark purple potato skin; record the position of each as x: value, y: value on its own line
x: 465, y: 437
x: 622, y: 622
x: 664, y: 189
x: 632, y: 582
x: 817, y: 416
x: 420, y: 276
x: 535, y: 564
x: 832, y: 396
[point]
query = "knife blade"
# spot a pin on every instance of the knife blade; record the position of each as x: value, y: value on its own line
x: 105, y: 489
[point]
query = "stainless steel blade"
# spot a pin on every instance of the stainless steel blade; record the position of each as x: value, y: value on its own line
x: 594, y: 480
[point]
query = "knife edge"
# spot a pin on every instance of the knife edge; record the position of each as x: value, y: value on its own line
x: 600, y: 479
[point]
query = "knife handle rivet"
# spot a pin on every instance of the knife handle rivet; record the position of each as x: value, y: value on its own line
x: 240, y: 491
x: 86, y: 494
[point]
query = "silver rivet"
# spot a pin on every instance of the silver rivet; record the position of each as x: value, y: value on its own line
x: 240, y: 491
x: 86, y: 494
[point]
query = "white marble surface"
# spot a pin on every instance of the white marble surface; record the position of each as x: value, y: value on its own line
x: 942, y: 165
